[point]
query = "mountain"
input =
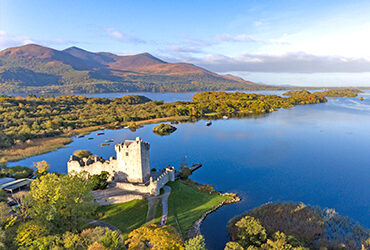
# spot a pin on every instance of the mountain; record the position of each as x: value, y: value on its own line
x: 37, y: 69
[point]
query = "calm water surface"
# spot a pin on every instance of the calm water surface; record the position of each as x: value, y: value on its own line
x: 318, y: 154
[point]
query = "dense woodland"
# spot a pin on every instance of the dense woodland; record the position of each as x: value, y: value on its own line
x: 328, y: 93
x: 287, y: 225
x: 22, y: 119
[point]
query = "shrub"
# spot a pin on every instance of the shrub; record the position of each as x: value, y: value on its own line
x: 99, y: 181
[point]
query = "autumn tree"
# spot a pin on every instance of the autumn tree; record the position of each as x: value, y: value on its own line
x: 196, y: 243
x: 42, y: 168
x: 155, y: 236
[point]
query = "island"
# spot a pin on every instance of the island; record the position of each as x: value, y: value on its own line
x: 164, y: 129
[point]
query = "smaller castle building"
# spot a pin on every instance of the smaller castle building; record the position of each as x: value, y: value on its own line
x: 130, y: 170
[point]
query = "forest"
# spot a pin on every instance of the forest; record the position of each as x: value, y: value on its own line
x: 22, y: 119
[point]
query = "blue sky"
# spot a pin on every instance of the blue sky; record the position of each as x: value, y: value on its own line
x: 275, y: 42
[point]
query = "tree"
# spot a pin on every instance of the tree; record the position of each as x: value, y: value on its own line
x: 232, y: 245
x: 99, y: 181
x: 155, y: 236
x: 5, y: 140
x: 29, y: 232
x: 107, y: 238
x: 3, y: 195
x: 4, y: 214
x: 250, y: 232
x: 63, y: 203
x: 196, y: 243
x: 185, y: 172
x: 42, y: 168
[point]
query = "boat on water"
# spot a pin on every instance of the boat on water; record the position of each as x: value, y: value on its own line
x: 111, y: 140
x: 209, y: 123
x: 90, y: 138
x: 225, y: 117
x: 80, y: 136
x: 101, y: 133
x: 104, y: 144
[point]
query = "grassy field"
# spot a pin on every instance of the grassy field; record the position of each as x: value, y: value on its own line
x: 126, y: 216
x: 35, y: 147
x: 186, y: 205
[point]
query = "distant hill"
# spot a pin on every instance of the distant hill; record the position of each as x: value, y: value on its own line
x: 36, y: 69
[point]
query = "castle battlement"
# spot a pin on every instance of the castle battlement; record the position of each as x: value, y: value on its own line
x: 130, y: 170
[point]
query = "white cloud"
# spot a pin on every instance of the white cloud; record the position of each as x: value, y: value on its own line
x: 298, y: 62
x: 8, y: 40
x: 122, y: 36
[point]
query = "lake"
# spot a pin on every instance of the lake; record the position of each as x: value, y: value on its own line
x: 318, y: 154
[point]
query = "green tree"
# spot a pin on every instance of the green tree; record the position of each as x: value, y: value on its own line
x: 99, y: 181
x: 196, y: 243
x: 63, y: 203
x: 5, y: 140
x: 250, y: 232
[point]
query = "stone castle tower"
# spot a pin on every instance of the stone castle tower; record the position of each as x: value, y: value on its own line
x: 133, y: 160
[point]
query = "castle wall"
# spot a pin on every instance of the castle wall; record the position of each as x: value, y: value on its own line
x: 96, y: 167
x: 133, y: 159
x: 119, y: 199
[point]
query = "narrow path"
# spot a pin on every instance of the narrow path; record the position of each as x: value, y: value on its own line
x: 153, y: 202
x: 167, y: 192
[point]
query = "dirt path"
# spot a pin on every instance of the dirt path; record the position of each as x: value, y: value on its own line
x: 153, y: 203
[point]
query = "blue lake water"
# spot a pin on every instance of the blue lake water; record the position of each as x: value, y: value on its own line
x: 318, y: 154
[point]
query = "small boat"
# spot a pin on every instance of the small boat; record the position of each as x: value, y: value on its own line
x: 102, y: 128
x: 126, y: 127
x: 209, y: 123
x: 104, y: 144
x: 225, y: 117
x: 80, y: 136
x: 111, y: 140
x: 101, y: 133
x: 90, y: 138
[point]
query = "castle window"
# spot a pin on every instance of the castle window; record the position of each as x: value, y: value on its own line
x: 126, y: 153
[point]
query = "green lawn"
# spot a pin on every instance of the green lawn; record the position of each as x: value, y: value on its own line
x: 126, y: 216
x: 187, y: 204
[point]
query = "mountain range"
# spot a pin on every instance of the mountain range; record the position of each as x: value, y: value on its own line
x: 37, y: 69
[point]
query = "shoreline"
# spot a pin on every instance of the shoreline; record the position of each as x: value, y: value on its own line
x: 39, y: 146
x: 195, y: 228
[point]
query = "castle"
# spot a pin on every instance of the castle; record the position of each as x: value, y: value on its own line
x: 129, y: 171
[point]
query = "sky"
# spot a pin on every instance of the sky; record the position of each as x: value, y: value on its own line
x: 306, y: 43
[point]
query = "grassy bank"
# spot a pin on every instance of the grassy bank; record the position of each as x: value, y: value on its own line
x: 125, y: 216
x: 187, y: 204
x: 35, y: 147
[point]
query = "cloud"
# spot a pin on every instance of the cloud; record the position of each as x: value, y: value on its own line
x: 298, y: 62
x: 8, y: 40
x: 184, y: 49
x: 247, y: 39
x: 236, y: 38
x: 122, y: 36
